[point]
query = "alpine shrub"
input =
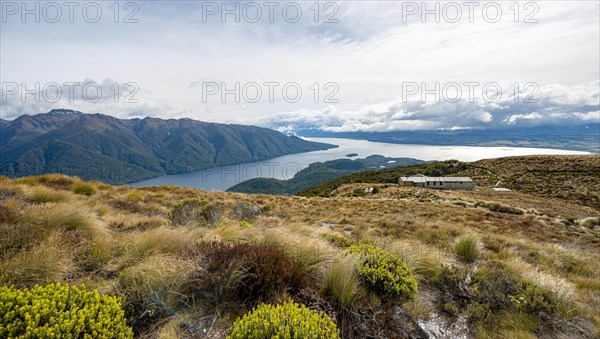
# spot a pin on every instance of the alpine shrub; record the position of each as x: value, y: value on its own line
x: 244, y: 273
x: 288, y: 320
x: 384, y: 272
x: 61, y: 311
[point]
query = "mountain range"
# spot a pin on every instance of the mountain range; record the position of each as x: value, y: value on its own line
x: 117, y: 151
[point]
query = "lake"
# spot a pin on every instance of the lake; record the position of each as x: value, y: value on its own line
x: 285, y: 167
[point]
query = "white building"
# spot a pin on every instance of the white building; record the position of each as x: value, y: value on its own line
x: 450, y: 183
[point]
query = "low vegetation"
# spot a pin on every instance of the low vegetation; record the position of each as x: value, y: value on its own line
x: 351, y: 261
x: 467, y: 247
x: 384, y: 271
x: 62, y: 311
x: 287, y: 320
x: 342, y: 281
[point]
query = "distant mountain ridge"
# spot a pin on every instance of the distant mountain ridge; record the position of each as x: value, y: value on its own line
x: 585, y: 137
x: 117, y: 151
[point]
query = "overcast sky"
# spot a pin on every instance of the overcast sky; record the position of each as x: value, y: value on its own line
x: 370, y: 61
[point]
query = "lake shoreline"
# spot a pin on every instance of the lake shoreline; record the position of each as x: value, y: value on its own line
x: 284, y: 167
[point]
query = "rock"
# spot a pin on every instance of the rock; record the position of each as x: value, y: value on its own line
x: 212, y: 214
x: 399, y: 310
x: 246, y: 211
x: 405, y: 324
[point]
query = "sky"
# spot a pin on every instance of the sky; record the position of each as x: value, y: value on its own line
x: 335, y: 66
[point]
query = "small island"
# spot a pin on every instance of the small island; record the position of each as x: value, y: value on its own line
x: 350, y: 155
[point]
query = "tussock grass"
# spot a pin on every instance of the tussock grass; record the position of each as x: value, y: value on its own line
x: 590, y: 222
x: 562, y: 288
x: 97, y: 252
x: 59, y: 181
x: 83, y: 188
x: 467, y: 247
x: 69, y: 217
x: 312, y: 253
x: 588, y: 283
x: 152, y: 287
x: 49, y: 261
x: 137, y: 246
x: 508, y: 325
x: 158, y: 273
x: 231, y: 232
x: 342, y: 280
x: 134, y: 221
x: 418, y: 308
x: 126, y: 246
x: 41, y: 195
x: 10, y: 211
x: 424, y: 260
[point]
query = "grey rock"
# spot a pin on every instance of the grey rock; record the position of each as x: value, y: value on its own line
x: 246, y: 211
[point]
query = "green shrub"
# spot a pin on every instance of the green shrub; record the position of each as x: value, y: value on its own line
x: 448, y: 277
x: 243, y: 273
x: 467, y: 247
x: 501, y: 291
x: 499, y: 208
x: 194, y: 211
x: 337, y: 240
x: 385, y: 272
x: 83, y: 189
x: 535, y: 300
x: 284, y: 321
x: 134, y: 197
x: 245, y: 224
x: 60, y: 311
x: 477, y: 311
x: 494, y: 286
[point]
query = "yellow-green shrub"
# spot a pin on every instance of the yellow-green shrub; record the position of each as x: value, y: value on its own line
x: 384, y: 272
x: 134, y: 197
x: 288, y: 320
x: 59, y: 310
x: 337, y: 240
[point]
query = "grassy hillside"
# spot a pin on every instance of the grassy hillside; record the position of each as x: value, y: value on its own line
x: 187, y: 262
x: 388, y: 175
x: 572, y: 178
x: 318, y: 172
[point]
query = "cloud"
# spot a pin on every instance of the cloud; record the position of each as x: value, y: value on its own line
x: 512, y: 119
x: 368, y: 53
x: 562, y: 105
x: 88, y: 95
